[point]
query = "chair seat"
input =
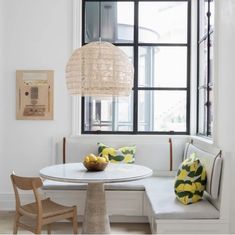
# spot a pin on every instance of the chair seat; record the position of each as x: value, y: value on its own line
x: 49, y: 208
x: 43, y: 212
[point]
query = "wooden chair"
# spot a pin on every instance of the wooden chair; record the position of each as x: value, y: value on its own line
x: 44, y: 212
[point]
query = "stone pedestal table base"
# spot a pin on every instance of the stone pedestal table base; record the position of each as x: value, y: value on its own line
x: 96, y: 220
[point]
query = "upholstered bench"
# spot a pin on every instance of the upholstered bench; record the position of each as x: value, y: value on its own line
x: 153, y: 199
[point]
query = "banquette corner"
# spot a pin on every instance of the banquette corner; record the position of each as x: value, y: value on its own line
x: 151, y: 199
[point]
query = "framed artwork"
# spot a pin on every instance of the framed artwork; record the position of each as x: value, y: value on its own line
x: 34, y: 94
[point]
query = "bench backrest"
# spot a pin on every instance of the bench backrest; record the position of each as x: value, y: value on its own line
x: 151, y: 151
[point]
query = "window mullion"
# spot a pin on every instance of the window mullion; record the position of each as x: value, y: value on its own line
x: 137, y: 29
x: 136, y: 54
x: 208, y: 71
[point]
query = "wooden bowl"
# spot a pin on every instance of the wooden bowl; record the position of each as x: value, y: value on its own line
x: 95, y: 166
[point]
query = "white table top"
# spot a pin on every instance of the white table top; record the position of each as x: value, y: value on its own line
x: 77, y: 173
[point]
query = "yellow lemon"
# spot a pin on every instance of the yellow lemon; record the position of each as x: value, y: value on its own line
x: 108, y: 151
x: 198, y: 186
x: 87, y: 159
x: 106, y: 157
x: 193, y: 167
x: 128, y: 158
x: 184, y: 200
x: 196, y: 198
x: 101, y: 160
x: 190, y: 188
x: 92, y: 158
x: 91, y: 154
x: 203, y: 176
x: 182, y: 175
x: 180, y: 188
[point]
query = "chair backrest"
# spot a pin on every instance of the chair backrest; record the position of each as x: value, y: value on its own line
x: 26, y: 183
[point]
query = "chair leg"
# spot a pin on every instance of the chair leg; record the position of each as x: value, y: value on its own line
x: 38, y: 230
x: 75, y: 221
x: 16, y: 223
x: 39, y: 227
x: 49, y: 229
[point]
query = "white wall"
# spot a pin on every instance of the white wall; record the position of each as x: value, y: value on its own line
x: 37, y: 35
x: 1, y: 91
x: 225, y: 76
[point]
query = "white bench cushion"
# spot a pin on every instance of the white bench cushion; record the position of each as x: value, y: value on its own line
x: 213, y: 165
x: 160, y: 192
x: 137, y: 185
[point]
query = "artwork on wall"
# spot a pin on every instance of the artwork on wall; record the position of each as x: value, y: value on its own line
x: 34, y: 94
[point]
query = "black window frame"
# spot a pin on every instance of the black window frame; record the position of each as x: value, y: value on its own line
x: 135, y: 89
x: 209, y: 85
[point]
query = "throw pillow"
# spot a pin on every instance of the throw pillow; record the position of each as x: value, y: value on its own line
x: 122, y: 155
x: 190, y: 181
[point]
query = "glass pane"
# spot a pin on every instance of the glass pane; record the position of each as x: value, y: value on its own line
x: 203, y: 24
x: 202, y: 118
x: 203, y: 66
x: 162, y: 111
x: 117, y: 20
x: 210, y: 118
x: 211, y: 78
x: 163, y: 22
x: 108, y: 114
x: 128, y: 51
x: 162, y: 67
x: 212, y: 17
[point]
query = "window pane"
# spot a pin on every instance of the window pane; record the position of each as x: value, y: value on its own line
x: 117, y: 20
x: 162, y: 67
x: 162, y: 111
x: 203, y: 66
x: 203, y: 24
x: 202, y: 119
x: 163, y: 22
x: 212, y: 17
x: 109, y: 114
x: 211, y: 118
x: 211, y: 78
x: 128, y: 51
x: 211, y: 81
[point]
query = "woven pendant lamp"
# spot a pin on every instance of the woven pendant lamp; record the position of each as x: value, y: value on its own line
x: 99, y: 69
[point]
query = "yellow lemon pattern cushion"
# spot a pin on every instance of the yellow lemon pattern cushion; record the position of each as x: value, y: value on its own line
x: 121, y: 155
x: 190, y: 181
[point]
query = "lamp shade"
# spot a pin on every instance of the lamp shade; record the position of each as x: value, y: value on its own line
x: 99, y: 69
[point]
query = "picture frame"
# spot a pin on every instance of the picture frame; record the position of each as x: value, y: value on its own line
x: 34, y: 94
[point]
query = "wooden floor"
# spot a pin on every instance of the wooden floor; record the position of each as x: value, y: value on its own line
x: 6, y: 224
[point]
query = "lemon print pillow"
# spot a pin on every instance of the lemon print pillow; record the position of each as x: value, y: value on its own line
x: 190, y: 181
x: 122, y: 155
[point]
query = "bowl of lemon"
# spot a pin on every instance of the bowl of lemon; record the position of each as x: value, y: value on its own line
x: 95, y: 163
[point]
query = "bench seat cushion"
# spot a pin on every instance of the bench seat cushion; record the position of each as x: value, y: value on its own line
x: 137, y: 185
x: 160, y: 192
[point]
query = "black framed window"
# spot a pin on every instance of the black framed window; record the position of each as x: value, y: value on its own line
x: 156, y: 37
x: 205, y: 67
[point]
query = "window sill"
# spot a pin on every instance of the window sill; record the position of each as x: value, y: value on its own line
x: 203, y: 138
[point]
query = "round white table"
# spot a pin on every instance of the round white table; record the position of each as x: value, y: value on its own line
x: 96, y: 220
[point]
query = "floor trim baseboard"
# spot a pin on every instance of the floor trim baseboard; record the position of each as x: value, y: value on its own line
x: 7, y: 203
x: 7, y: 200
